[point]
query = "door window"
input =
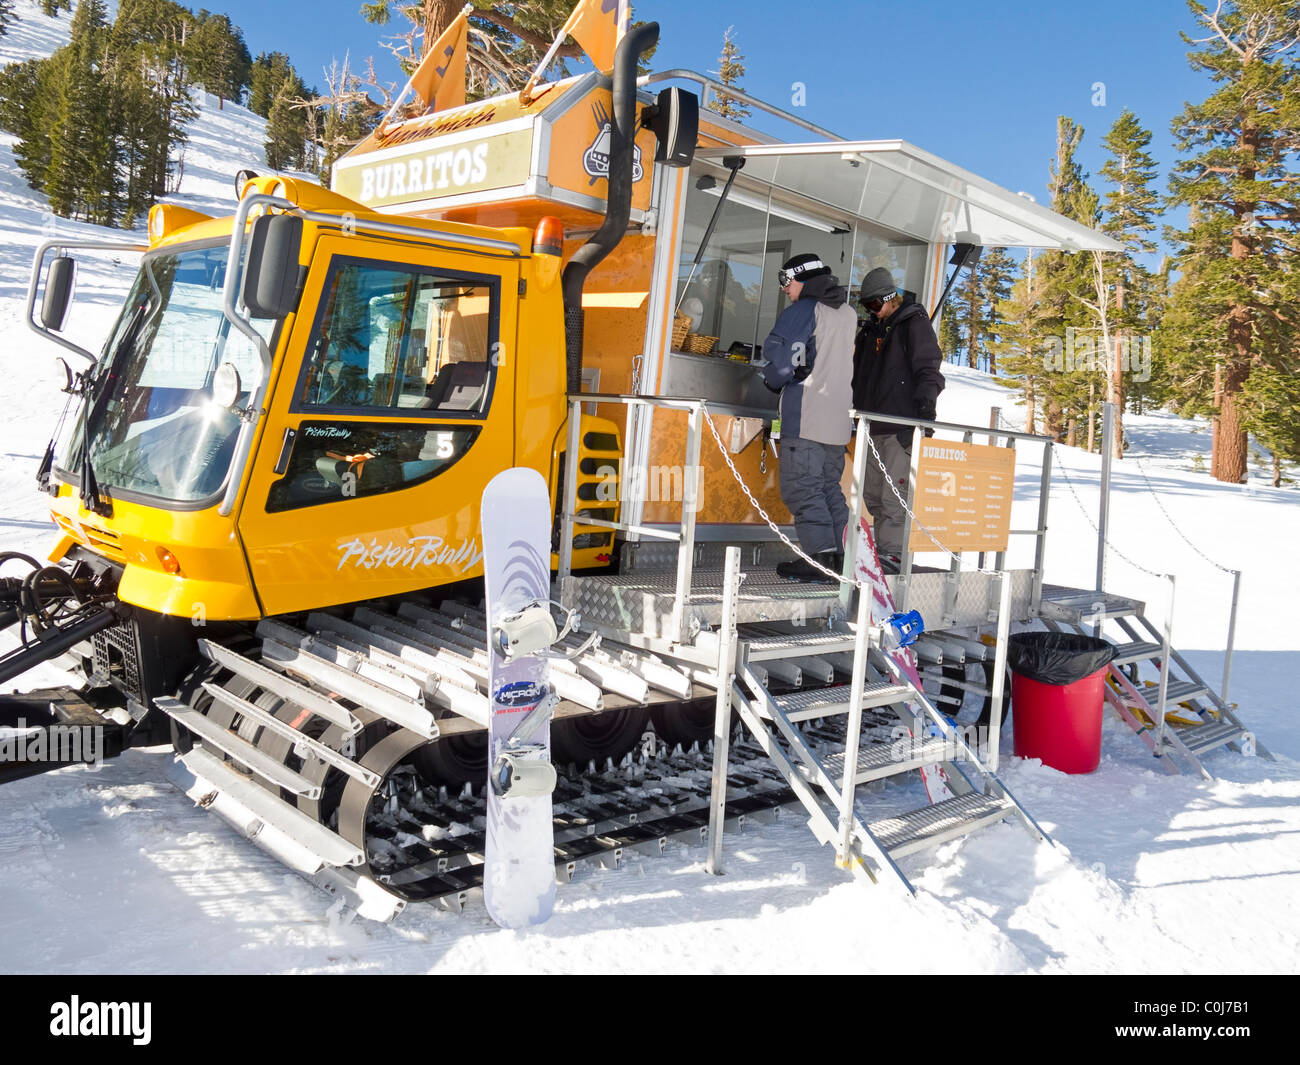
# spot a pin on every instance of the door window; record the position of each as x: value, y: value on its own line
x: 410, y: 340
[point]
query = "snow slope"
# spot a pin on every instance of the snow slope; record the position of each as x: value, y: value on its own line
x: 1150, y: 874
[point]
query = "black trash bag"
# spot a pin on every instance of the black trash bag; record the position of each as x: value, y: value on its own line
x: 1058, y: 658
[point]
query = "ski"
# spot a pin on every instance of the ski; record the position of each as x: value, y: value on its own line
x: 882, y: 609
x: 519, y: 854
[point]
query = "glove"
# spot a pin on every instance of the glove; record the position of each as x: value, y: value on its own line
x: 925, y: 411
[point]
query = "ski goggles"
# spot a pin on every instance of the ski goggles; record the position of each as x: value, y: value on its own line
x: 784, y: 277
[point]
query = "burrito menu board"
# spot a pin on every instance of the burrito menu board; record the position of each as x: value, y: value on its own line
x: 963, y: 496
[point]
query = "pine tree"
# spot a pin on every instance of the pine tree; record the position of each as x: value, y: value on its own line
x: 28, y: 99
x: 81, y: 179
x: 951, y: 342
x: 269, y: 71
x: 6, y: 15
x: 217, y: 56
x: 1058, y: 320
x: 1129, y: 216
x: 1237, y: 174
x: 1016, y: 351
x: 285, y: 128
x: 731, y: 68
x: 997, y: 273
x: 53, y: 7
x: 967, y: 317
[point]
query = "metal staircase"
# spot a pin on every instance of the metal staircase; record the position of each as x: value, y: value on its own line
x: 1152, y: 688
x: 891, y: 730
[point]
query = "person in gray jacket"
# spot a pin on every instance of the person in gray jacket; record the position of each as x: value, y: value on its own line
x: 809, y: 360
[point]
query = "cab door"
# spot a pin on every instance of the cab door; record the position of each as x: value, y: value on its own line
x: 393, y: 407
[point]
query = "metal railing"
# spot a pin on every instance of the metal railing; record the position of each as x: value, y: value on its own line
x: 969, y: 433
x: 708, y: 87
x: 685, y: 537
x: 697, y: 411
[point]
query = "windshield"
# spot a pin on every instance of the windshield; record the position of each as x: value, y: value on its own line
x: 155, y: 428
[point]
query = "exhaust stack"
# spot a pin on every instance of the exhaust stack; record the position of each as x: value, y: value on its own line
x: 618, y: 208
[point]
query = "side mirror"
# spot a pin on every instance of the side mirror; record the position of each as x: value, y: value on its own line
x: 271, y: 269
x: 675, y: 119
x: 59, y: 283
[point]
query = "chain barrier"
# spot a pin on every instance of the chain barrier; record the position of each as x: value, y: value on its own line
x: 1183, y: 536
x: 1155, y: 494
x: 1060, y: 464
x: 726, y: 457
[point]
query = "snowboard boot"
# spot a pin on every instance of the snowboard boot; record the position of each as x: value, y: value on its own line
x: 890, y: 564
x: 799, y: 570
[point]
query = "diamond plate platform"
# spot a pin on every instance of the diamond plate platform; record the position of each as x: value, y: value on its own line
x: 643, y: 603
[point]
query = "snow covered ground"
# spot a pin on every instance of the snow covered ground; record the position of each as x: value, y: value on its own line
x: 115, y: 870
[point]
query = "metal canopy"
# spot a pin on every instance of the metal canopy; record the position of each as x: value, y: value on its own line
x: 899, y: 186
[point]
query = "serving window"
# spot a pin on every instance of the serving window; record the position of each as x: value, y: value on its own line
x: 733, y: 295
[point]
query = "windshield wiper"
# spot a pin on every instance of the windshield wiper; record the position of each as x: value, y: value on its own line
x: 92, y: 498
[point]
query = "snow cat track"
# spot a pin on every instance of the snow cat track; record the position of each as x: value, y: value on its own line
x: 315, y: 740
x: 319, y: 739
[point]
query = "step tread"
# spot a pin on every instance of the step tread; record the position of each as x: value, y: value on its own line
x: 1212, y: 734
x: 1179, y: 690
x: 932, y: 825
x: 798, y: 644
x: 878, y: 760
x: 1138, y: 651
x: 826, y: 702
x: 1076, y: 607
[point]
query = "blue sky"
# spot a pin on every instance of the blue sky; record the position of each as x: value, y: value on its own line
x: 978, y: 84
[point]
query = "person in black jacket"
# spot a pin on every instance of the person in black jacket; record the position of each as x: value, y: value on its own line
x: 896, y: 362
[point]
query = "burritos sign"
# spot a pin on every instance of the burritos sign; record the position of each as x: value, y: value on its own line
x: 963, y: 496
x: 428, y: 170
x: 554, y: 147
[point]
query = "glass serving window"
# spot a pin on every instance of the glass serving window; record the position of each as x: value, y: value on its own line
x: 733, y: 293
x: 721, y: 295
x: 410, y: 340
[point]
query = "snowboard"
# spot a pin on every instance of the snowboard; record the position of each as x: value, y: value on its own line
x: 519, y: 852
x: 882, y: 608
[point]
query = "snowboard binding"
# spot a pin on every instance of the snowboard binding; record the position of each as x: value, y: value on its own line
x: 533, y: 630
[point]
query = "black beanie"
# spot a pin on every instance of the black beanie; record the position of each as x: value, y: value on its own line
x: 806, y: 266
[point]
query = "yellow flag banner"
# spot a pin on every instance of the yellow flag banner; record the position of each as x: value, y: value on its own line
x: 439, y: 81
x: 597, y: 26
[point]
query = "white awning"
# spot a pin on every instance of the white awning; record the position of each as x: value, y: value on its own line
x: 897, y: 185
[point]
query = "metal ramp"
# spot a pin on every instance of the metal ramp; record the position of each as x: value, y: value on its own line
x: 1153, y: 688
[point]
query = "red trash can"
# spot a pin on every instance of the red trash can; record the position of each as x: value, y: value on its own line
x: 1057, y: 697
